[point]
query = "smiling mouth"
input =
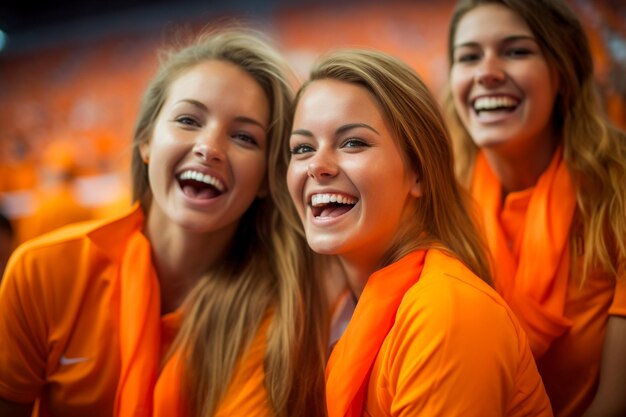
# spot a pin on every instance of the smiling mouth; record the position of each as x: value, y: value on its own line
x: 198, y: 185
x: 495, y: 104
x: 331, y: 205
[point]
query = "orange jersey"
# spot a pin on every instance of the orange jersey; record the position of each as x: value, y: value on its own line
x: 571, y: 335
x: 447, y: 345
x: 60, y: 323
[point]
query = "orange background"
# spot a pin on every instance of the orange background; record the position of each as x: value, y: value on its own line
x: 72, y: 107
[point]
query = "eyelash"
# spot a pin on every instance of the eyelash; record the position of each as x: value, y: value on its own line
x: 516, y: 52
x: 467, y: 58
x: 354, y: 143
x: 348, y: 143
x: 301, y: 149
x: 512, y: 52
x: 245, y: 138
x: 187, y: 121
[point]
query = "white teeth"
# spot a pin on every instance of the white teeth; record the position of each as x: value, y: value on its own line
x: 318, y: 200
x: 490, y: 103
x: 200, y: 177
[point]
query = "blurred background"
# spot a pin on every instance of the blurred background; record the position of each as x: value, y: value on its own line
x: 72, y: 74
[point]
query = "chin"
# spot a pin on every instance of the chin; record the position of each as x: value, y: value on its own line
x: 489, y: 141
x: 324, y: 246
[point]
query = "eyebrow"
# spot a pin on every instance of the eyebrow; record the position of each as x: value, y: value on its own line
x: 508, y: 39
x: 201, y: 106
x: 340, y: 130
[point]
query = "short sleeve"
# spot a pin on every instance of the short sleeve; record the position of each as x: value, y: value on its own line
x: 22, y: 332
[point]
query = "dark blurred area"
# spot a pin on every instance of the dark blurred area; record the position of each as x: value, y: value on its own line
x: 31, y: 24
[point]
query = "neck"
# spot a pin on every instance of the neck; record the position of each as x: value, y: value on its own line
x: 181, y: 258
x: 357, y: 269
x: 520, y: 170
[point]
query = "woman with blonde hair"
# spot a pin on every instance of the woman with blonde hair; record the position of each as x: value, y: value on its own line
x: 371, y: 175
x: 548, y: 171
x: 207, y: 265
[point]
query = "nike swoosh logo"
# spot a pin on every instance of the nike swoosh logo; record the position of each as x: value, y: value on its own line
x: 70, y: 361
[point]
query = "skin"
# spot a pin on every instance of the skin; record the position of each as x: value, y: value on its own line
x: 203, y: 127
x: 496, y: 56
x: 342, y: 146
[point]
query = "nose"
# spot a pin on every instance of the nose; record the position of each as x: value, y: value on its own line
x: 322, y: 166
x: 490, y: 72
x: 210, y: 146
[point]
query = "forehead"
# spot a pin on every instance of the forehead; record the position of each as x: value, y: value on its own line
x: 332, y: 100
x: 217, y: 79
x: 489, y: 22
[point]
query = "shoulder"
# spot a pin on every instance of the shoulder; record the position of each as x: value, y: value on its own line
x: 104, y: 233
x: 452, y: 301
x: 63, y: 253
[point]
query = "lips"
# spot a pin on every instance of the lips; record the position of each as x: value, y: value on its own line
x: 198, y: 185
x: 331, y: 205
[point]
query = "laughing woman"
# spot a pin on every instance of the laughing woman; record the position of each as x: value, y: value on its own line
x: 371, y: 175
x: 88, y: 313
x: 549, y: 173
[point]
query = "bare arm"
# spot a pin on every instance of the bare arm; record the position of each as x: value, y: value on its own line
x: 610, y: 399
x: 12, y: 409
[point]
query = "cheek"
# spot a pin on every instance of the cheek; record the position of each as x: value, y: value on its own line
x: 459, y: 89
x: 255, y: 172
x: 295, y: 182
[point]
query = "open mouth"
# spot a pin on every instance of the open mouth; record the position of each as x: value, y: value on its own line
x: 198, y: 185
x: 502, y: 104
x: 331, y: 205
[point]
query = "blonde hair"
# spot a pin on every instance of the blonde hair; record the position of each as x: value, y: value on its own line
x: 594, y: 150
x: 267, y: 270
x: 441, y: 219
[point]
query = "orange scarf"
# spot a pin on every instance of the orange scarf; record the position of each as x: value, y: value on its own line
x: 534, y: 286
x: 140, y: 339
x: 351, y: 361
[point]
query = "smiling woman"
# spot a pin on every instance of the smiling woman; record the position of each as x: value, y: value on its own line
x: 372, y: 178
x: 200, y: 300
x: 548, y: 171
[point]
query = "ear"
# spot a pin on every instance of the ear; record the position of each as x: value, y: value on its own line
x: 416, y: 189
x: 144, y: 151
x: 416, y: 185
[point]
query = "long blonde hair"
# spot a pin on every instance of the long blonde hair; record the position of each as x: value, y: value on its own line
x: 268, y: 269
x: 441, y: 219
x: 594, y: 150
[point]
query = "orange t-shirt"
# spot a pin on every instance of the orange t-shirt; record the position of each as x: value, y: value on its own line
x: 454, y: 349
x: 59, y: 324
x: 570, y: 367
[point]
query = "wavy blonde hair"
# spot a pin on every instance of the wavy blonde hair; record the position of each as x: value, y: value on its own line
x: 594, y: 150
x: 441, y: 219
x: 268, y: 269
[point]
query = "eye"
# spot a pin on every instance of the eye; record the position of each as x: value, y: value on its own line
x: 245, y: 138
x: 466, y: 57
x: 517, y: 52
x: 301, y: 148
x: 187, y: 121
x: 354, y: 143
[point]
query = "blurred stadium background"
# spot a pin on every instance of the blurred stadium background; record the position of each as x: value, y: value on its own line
x: 72, y: 74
